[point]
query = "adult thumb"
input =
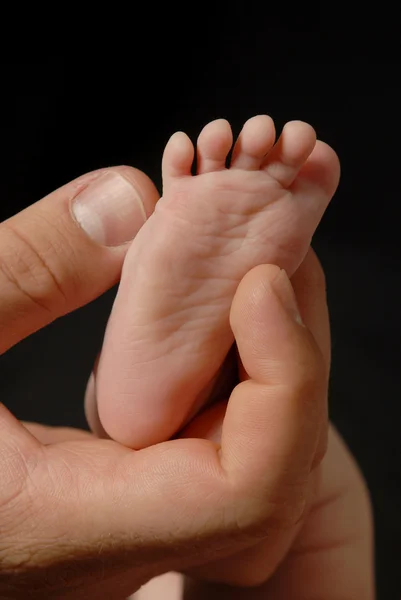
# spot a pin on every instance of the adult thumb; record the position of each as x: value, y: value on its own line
x: 68, y: 248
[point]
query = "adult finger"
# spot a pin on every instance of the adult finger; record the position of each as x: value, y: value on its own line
x: 255, y: 564
x: 271, y: 427
x: 309, y: 285
x: 68, y: 248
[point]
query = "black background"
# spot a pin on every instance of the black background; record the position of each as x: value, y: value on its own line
x: 64, y: 117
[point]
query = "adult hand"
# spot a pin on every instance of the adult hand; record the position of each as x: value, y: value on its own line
x: 87, y: 518
x: 330, y: 554
x: 333, y: 540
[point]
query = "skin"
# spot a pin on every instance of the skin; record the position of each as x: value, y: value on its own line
x: 335, y: 540
x: 87, y: 518
x: 169, y: 327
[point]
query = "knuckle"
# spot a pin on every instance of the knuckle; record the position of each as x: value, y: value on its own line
x: 27, y: 268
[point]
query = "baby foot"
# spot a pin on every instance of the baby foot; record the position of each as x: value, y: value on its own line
x: 169, y: 330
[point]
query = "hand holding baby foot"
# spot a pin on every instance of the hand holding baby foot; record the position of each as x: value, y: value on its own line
x: 333, y: 540
x: 82, y: 517
x: 169, y: 330
x: 112, y: 518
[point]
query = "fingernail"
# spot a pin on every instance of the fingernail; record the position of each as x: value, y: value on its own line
x: 109, y: 210
x: 283, y: 289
